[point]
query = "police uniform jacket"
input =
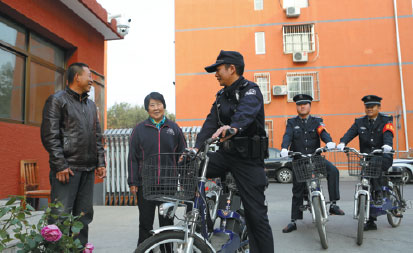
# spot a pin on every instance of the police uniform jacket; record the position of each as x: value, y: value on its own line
x: 239, y: 106
x: 305, y: 137
x: 371, y: 137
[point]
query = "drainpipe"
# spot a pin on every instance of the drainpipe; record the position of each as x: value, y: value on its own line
x: 399, y: 58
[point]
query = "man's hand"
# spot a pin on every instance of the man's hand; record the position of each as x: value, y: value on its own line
x: 284, y: 152
x: 386, y: 148
x: 341, y: 146
x: 101, y: 172
x: 330, y: 145
x: 134, y: 190
x: 64, y: 175
x: 223, y: 131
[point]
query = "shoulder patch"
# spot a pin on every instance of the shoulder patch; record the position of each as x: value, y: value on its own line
x: 251, y: 92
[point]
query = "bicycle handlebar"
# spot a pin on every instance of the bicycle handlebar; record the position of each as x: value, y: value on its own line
x: 376, y: 151
x: 318, y: 151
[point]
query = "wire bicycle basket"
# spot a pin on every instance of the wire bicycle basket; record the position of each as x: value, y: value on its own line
x: 308, y: 168
x: 366, y: 166
x: 165, y: 177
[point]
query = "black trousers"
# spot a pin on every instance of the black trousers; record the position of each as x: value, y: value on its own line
x: 250, y: 178
x: 76, y: 197
x: 300, y: 189
x: 147, y: 217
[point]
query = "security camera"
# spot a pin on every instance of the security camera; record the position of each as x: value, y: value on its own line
x: 123, y: 26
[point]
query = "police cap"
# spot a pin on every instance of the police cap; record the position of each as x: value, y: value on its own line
x: 371, y: 100
x: 226, y: 57
x: 301, y: 99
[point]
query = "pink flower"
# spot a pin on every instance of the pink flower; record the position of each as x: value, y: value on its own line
x: 89, y: 248
x: 51, y: 233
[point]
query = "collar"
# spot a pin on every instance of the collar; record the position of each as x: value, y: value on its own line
x: 76, y: 95
x: 230, y: 89
x: 158, y: 125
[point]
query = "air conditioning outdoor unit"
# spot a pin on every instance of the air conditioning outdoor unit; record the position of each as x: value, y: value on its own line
x: 292, y: 12
x: 279, y: 90
x: 300, y: 57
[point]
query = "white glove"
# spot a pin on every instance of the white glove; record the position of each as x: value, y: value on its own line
x: 331, y: 145
x: 386, y: 148
x: 341, y: 146
x: 284, y: 152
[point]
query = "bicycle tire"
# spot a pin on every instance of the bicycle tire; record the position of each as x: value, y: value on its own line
x: 396, y: 200
x: 361, y: 218
x: 321, y: 227
x: 170, y: 237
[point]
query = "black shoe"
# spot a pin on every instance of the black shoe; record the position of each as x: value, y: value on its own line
x: 370, y: 225
x: 290, y: 227
x: 335, y: 210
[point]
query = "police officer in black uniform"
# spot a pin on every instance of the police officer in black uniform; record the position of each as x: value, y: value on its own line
x: 303, y: 134
x: 239, y: 105
x: 375, y: 131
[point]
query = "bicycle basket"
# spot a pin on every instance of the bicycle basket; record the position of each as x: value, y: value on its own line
x: 309, y: 168
x: 369, y: 167
x: 166, y: 178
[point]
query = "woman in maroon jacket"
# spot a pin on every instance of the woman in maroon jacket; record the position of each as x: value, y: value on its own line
x: 155, y: 135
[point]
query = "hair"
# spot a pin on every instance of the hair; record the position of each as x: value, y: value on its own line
x: 75, y: 68
x: 154, y: 96
x: 239, y: 69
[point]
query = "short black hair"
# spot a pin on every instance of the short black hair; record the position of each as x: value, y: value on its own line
x: 155, y: 96
x: 239, y: 69
x: 75, y: 68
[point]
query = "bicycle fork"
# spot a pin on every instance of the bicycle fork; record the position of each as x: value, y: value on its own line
x: 362, y: 188
x: 317, y: 192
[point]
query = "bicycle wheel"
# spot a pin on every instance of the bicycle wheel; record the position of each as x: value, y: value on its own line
x: 362, y: 217
x: 170, y: 241
x: 321, y: 226
x: 394, y: 216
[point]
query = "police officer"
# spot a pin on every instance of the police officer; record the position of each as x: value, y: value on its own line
x: 303, y: 134
x: 239, y: 105
x: 375, y: 131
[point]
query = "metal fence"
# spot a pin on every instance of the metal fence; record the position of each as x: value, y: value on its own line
x: 116, y: 188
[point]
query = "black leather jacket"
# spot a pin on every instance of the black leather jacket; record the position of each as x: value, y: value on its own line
x: 71, y: 132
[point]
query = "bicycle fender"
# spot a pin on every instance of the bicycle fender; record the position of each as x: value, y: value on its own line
x: 183, y: 229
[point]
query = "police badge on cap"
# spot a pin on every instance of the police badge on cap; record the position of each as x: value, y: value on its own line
x: 301, y: 99
x: 371, y: 100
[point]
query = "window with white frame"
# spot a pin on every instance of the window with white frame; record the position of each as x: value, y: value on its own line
x: 263, y: 81
x: 260, y: 43
x: 258, y: 5
x: 298, y: 38
x: 303, y: 83
x: 269, y: 131
x: 295, y: 3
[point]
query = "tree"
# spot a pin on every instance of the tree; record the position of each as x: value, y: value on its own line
x: 124, y: 115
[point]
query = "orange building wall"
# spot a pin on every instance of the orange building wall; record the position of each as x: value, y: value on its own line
x: 23, y: 141
x: 357, y: 55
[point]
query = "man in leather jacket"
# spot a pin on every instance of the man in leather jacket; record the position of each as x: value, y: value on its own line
x: 71, y: 134
x: 239, y: 106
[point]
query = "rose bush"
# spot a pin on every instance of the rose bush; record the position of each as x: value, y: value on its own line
x: 40, y: 237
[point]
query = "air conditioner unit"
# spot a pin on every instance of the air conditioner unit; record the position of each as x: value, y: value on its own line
x: 300, y: 57
x: 279, y: 90
x: 292, y: 12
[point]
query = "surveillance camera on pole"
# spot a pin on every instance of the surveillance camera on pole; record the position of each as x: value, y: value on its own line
x: 122, y: 24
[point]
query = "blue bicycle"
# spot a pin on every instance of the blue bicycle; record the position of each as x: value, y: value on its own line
x: 173, y: 179
x: 368, y: 166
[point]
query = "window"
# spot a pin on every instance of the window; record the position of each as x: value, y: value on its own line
x: 31, y: 69
x: 295, y: 3
x: 298, y: 38
x: 258, y: 5
x: 263, y: 81
x: 260, y: 43
x: 97, y: 94
x: 269, y: 131
x: 303, y: 83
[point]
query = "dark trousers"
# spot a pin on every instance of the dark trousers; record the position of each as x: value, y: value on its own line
x: 300, y: 189
x: 76, y: 197
x: 250, y: 178
x: 147, y: 216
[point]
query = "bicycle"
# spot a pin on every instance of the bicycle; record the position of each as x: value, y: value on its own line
x: 366, y: 167
x: 311, y: 169
x: 164, y: 179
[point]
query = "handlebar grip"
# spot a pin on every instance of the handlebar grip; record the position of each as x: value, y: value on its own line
x: 231, y: 131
